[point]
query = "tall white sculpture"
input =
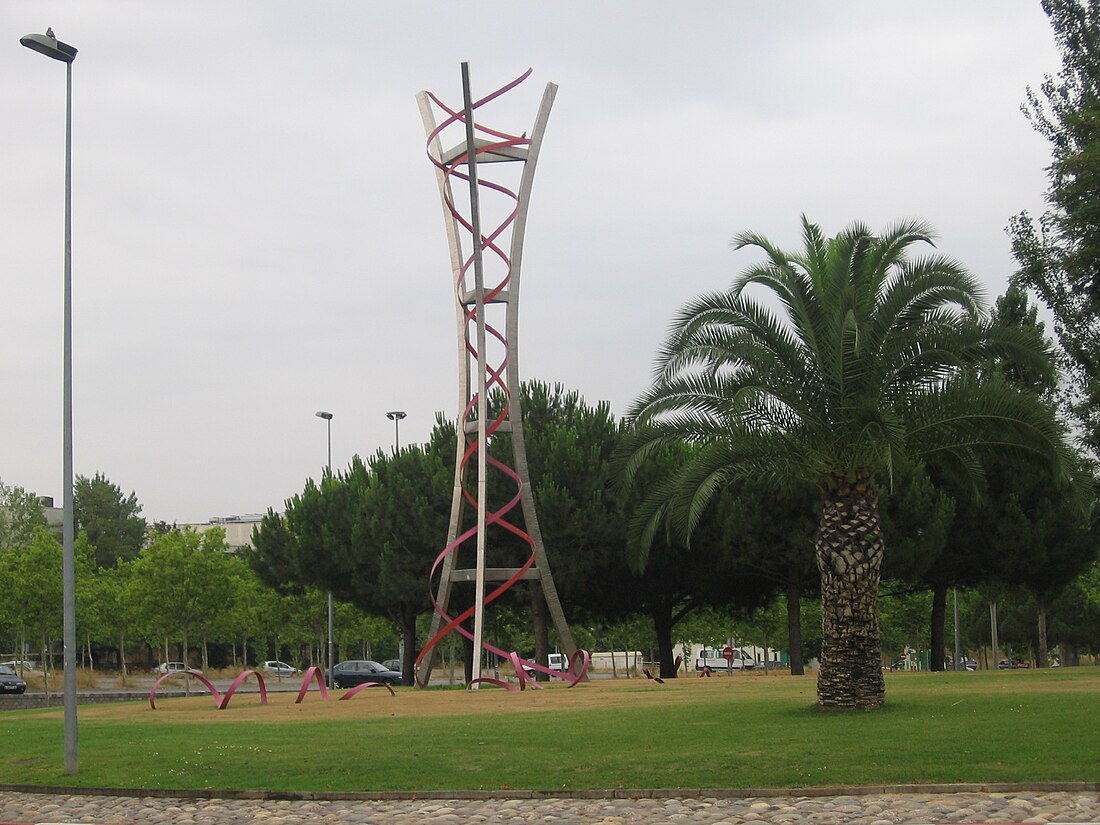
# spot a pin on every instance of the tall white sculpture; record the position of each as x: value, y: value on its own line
x: 486, y: 277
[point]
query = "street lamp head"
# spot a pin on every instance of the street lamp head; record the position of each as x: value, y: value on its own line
x: 325, y: 415
x: 395, y: 415
x: 50, y: 46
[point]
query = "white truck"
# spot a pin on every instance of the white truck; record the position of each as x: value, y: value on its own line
x: 711, y: 657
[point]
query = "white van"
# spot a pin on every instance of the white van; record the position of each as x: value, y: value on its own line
x: 712, y: 658
x: 558, y: 661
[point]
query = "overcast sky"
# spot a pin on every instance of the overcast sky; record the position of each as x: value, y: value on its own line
x: 257, y: 233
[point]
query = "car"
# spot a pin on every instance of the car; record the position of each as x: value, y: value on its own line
x: 10, y: 682
x: 357, y: 671
x: 175, y: 667
x: 392, y: 664
x: 279, y: 669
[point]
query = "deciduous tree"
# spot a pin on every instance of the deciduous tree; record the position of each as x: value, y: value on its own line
x: 111, y: 520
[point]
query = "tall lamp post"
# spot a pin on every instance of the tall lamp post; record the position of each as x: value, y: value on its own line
x: 50, y: 46
x: 395, y: 416
x: 331, y: 662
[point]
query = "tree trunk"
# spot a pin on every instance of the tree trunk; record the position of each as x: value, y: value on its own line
x: 187, y: 664
x: 661, y: 614
x: 849, y: 557
x: 1069, y: 654
x: 542, y: 633
x: 1044, y: 653
x: 995, y: 657
x: 122, y: 654
x: 47, y: 661
x: 451, y: 659
x: 408, y: 659
x: 939, y: 632
x: 794, y: 621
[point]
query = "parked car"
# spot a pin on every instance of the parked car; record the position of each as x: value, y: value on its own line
x: 10, y: 682
x: 357, y: 671
x: 392, y: 664
x: 175, y: 667
x: 1013, y: 664
x: 279, y: 669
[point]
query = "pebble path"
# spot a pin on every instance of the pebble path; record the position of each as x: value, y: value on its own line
x: 1047, y: 808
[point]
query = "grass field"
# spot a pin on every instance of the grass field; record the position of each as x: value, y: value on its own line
x: 748, y: 731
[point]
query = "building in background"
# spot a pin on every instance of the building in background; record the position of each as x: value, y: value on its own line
x: 238, y: 529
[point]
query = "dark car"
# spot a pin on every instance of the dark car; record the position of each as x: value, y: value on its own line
x: 357, y: 671
x: 392, y: 664
x: 10, y: 681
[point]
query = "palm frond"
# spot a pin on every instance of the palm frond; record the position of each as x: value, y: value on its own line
x: 860, y: 357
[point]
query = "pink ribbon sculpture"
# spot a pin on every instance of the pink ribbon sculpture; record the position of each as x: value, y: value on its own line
x: 220, y: 702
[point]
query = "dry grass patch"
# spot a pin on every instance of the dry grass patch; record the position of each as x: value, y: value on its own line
x: 597, y: 695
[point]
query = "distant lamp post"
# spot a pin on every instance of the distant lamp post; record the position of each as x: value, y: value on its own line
x: 331, y: 661
x: 395, y: 416
x: 50, y: 46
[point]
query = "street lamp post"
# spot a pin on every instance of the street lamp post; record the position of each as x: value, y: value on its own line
x: 395, y: 416
x: 50, y: 46
x: 327, y: 416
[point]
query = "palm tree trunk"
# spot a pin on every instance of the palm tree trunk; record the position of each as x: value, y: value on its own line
x: 849, y: 557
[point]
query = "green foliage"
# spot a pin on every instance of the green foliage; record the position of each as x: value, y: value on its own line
x: 180, y: 582
x: 1059, y: 255
x: 368, y: 535
x: 111, y: 520
x: 20, y: 516
x: 33, y: 600
x: 872, y: 362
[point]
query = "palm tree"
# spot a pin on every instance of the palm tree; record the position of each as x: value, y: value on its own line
x: 859, y: 358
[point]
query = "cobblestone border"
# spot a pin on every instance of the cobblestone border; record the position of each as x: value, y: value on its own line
x: 608, y: 793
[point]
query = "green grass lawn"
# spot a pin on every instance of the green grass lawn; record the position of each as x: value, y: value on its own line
x: 748, y: 731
